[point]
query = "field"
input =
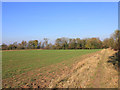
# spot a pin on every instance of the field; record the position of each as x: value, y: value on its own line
x: 21, y: 62
x: 93, y: 68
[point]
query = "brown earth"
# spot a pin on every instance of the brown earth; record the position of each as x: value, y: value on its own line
x: 92, y: 72
x: 88, y: 71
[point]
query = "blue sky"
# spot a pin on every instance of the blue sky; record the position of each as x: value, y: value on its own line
x: 38, y: 20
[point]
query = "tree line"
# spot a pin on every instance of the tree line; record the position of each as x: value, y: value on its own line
x: 67, y: 43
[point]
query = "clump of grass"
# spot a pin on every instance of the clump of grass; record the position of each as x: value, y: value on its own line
x: 33, y: 79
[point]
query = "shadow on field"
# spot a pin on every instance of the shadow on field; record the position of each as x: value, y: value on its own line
x: 115, y: 60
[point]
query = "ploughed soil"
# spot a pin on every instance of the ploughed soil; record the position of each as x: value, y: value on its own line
x: 88, y: 71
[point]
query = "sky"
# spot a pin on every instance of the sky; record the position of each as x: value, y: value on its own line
x: 38, y: 20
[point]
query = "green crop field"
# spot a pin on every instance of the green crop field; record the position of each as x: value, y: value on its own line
x: 22, y: 61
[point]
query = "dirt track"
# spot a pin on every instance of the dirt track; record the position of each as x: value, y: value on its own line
x: 92, y: 72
